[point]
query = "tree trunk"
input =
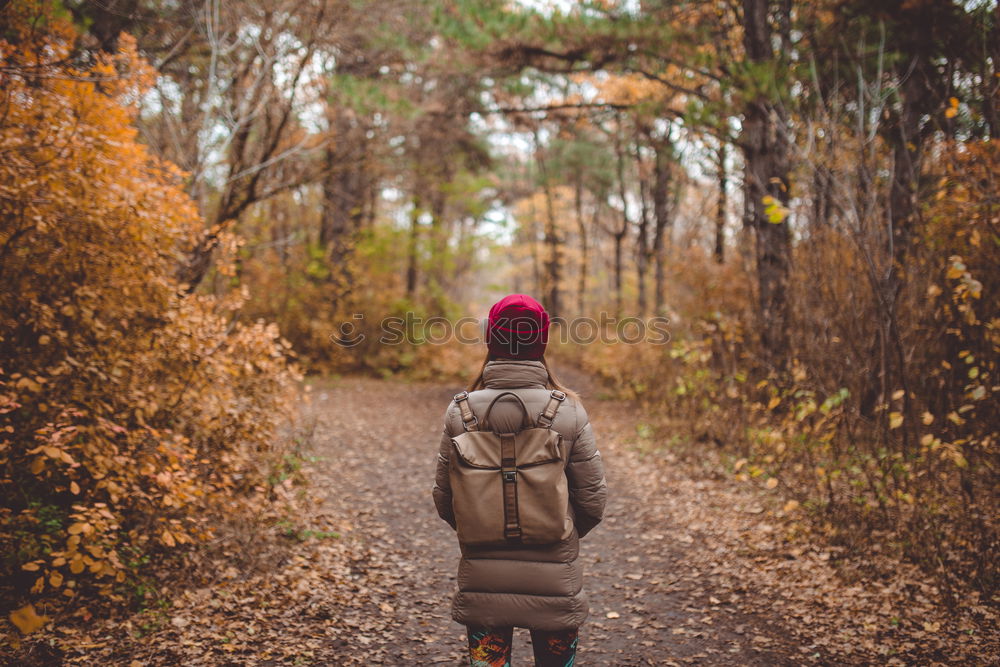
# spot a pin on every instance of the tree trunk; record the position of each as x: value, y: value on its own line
x: 822, y: 196
x: 642, y: 237
x: 662, y: 219
x: 344, y: 189
x: 619, y: 234
x: 907, y: 141
x: 553, y: 260
x: 766, y: 153
x: 581, y: 226
x: 722, y: 203
x: 532, y: 234
x: 618, y: 273
x: 553, y: 242
x: 436, y: 273
x: 413, y: 247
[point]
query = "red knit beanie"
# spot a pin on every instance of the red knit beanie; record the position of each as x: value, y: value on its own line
x: 517, y: 328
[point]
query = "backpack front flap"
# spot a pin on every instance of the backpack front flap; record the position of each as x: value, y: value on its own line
x: 478, y: 487
x: 534, y: 446
x: 542, y: 488
x: 510, y: 487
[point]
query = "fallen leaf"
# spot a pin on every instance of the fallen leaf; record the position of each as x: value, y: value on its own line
x: 79, y: 527
x: 27, y: 620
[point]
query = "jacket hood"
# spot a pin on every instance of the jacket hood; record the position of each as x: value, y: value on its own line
x: 514, y: 373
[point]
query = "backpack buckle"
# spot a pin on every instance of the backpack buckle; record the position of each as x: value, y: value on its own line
x: 509, y: 475
x: 558, y: 395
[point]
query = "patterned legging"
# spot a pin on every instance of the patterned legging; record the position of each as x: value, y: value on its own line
x: 491, y: 647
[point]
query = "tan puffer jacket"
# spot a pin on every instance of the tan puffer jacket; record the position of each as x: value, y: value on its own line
x: 539, y: 587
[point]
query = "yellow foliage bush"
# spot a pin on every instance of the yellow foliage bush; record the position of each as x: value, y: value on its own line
x: 132, y: 415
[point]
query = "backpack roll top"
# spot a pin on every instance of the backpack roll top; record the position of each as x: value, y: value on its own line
x: 510, y: 488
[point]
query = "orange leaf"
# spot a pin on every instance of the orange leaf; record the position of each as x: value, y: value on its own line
x: 27, y: 620
x: 80, y: 527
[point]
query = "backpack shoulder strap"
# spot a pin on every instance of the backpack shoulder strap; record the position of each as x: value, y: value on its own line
x: 468, y: 417
x: 548, y: 415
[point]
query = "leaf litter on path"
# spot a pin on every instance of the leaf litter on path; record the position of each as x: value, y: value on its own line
x: 687, y: 568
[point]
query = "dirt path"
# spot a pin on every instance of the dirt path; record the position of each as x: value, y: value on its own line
x: 650, y: 577
x: 689, y: 566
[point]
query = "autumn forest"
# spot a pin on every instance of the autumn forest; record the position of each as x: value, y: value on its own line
x: 244, y: 252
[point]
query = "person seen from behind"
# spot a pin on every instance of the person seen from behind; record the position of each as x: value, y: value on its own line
x: 521, y: 480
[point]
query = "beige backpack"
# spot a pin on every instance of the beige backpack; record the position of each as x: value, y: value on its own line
x: 510, y: 488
